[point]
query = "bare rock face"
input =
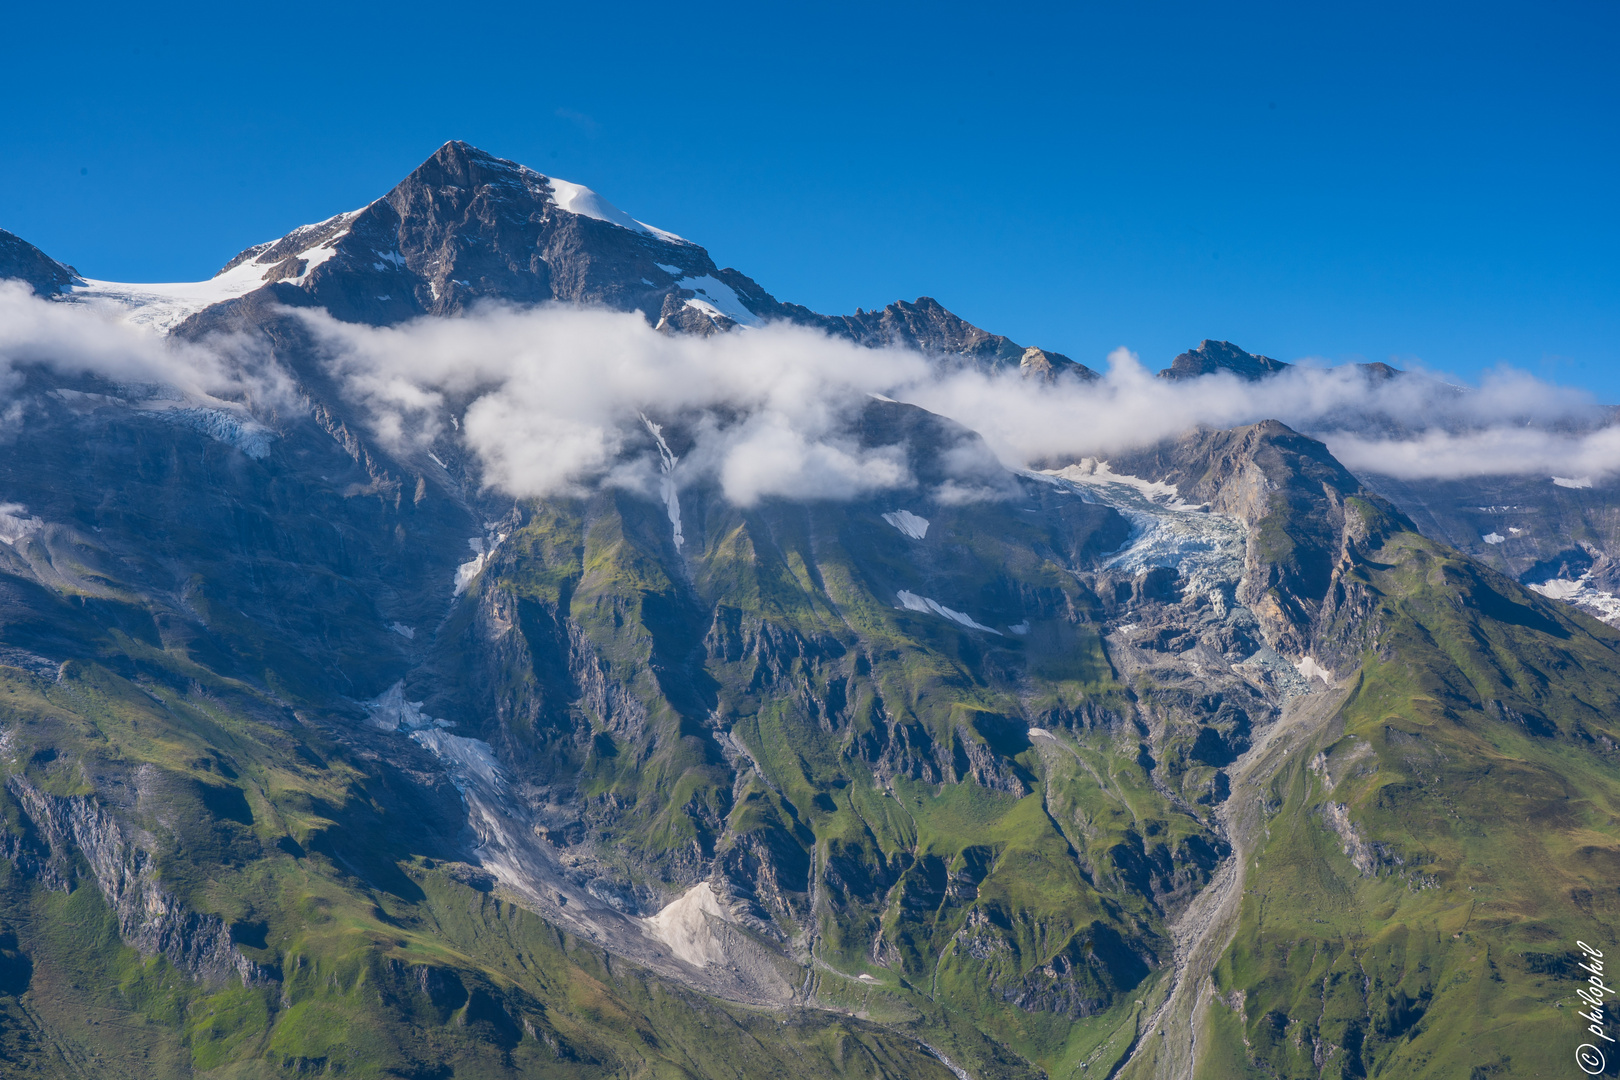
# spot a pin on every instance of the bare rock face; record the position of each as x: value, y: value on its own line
x: 1213, y: 356
x: 928, y: 326
x: 150, y: 918
x: 465, y: 227
x: 1308, y: 520
x: 21, y: 260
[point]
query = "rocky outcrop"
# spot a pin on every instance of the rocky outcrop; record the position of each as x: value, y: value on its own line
x: 981, y: 755
x: 150, y: 918
x: 1049, y: 367
x: 926, y: 325
x: 1369, y: 857
x: 23, y: 261
x: 1083, y: 978
x: 1170, y: 876
x: 900, y: 748
x: 1215, y: 356
x: 1308, y: 520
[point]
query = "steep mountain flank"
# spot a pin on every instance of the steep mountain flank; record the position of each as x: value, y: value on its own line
x: 322, y: 757
x: 22, y: 261
x: 1430, y: 855
x: 1310, y: 525
x: 810, y: 758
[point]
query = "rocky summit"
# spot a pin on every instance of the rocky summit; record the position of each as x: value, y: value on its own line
x: 326, y: 754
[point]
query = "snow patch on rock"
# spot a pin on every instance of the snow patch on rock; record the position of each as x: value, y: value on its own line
x: 1603, y: 606
x: 482, y: 552
x: 391, y: 712
x: 912, y: 602
x: 1092, y: 471
x: 162, y: 306
x: 715, y: 297
x: 470, y: 763
x: 242, y: 432
x: 912, y: 525
x: 581, y: 200
x: 1310, y: 669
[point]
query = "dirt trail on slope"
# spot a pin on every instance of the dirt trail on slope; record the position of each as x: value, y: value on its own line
x: 1167, y: 1048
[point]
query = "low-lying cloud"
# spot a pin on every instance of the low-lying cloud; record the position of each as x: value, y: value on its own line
x: 555, y: 400
x: 1415, y: 425
x: 71, y: 340
x: 91, y: 339
x: 549, y: 399
x: 554, y: 393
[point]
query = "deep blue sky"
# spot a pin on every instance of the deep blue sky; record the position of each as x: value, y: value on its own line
x: 1420, y: 183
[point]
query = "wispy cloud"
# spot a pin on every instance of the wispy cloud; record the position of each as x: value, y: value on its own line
x: 550, y: 400
x: 91, y: 339
x: 1415, y: 425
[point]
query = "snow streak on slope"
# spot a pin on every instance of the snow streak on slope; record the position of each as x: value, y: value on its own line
x: 666, y: 485
x: 715, y: 298
x: 911, y: 524
x: 483, y: 550
x: 912, y: 602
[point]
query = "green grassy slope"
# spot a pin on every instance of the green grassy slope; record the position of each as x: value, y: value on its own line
x: 991, y: 894
x: 856, y: 778
x: 1000, y: 900
x: 379, y: 962
x: 1431, y: 862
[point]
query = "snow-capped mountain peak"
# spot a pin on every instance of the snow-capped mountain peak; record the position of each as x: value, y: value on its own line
x: 581, y: 200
